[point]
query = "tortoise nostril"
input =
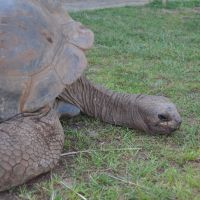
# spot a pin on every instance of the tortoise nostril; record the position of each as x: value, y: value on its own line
x: 163, y: 117
x: 179, y: 121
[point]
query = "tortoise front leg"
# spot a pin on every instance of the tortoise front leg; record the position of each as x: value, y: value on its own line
x: 65, y: 110
x: 29, y: 146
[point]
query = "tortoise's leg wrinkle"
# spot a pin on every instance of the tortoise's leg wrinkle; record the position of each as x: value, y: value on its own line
x: 29, y: 146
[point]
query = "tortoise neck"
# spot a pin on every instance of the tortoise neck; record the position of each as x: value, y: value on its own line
x: 108, y: 106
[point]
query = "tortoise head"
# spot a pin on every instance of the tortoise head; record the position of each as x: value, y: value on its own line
x: 156, y: 114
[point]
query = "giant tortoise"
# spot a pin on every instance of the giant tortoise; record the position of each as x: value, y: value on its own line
x: 41, y: 79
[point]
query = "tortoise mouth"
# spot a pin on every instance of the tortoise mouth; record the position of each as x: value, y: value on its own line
x: 167, y: 127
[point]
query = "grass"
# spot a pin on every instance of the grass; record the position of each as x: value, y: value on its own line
x: 137, y: 50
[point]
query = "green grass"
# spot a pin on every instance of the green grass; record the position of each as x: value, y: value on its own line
x: 136, y: 50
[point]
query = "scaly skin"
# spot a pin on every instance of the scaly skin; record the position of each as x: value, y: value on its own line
x: 29, y: 146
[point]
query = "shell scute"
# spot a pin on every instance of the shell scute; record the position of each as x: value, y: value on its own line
x: 39, y: 55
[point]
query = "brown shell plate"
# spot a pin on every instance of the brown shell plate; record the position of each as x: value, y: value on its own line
x: 39, y: 55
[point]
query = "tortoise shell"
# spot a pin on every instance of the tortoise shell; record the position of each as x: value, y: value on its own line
x: 41, y: 51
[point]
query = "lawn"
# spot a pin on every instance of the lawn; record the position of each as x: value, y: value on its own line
x: 137, y: 50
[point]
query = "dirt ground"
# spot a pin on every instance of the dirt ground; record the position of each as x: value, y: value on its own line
x: 76, y: 5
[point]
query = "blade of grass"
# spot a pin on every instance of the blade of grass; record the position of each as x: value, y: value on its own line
x: 81, y: 196
x: 125, y: 181
x: 103, y: 150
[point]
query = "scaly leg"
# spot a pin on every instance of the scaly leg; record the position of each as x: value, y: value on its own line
x: 30, y: 145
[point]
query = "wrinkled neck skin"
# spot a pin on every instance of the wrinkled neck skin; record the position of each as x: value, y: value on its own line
x: 114, y: 108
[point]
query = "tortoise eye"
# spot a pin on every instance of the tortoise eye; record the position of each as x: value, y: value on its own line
x: 163, y: 117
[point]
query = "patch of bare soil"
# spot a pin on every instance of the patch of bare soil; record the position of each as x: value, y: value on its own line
x: 174, y: 11
x: 196, y: 10
x: 76, y: 5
